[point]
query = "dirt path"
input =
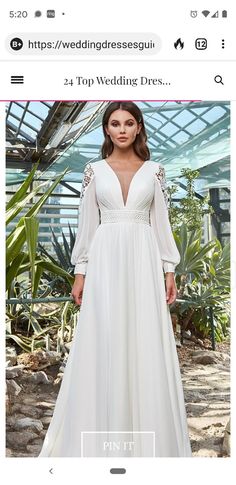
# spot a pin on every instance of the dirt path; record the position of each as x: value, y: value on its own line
x: 207, y: 397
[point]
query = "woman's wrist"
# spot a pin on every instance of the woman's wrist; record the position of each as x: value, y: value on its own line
x: 79, y: 276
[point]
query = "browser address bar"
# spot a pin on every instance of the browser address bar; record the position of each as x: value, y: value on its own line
x: 84, y: 44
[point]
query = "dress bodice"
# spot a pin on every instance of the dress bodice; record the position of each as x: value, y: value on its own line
x: 138, y: 197
x: 124, y: 190
x: 125, y: 178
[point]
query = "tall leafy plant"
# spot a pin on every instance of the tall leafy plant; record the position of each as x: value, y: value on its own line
x: 203, y: 281
x: 25, y: 232
x: 61, y: 257
x: 190, y: 209
x: 20, y: 260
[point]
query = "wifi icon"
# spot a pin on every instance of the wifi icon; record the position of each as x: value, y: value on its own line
x: 205, y: 13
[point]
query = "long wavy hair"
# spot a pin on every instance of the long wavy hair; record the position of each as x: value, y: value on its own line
x: 140, y: 147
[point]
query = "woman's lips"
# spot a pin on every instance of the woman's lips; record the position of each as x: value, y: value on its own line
x: 122, y: 138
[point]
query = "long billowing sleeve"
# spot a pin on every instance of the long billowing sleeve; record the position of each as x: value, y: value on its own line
x: 88, y: 221
x: 159, y: 218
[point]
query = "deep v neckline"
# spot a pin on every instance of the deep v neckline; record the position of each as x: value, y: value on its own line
x: 120, y: 187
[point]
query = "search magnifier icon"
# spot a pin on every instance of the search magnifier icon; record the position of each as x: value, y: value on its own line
x: 218, y: 79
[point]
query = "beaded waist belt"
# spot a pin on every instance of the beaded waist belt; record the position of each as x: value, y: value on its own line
x: 124, y: 215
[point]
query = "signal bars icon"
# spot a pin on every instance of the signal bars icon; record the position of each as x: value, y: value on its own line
x: 216, y: 14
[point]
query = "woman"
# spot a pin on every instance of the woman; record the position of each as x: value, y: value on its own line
x: 121, y: 393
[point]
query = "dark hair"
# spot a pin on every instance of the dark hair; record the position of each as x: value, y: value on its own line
x: 139, y: 145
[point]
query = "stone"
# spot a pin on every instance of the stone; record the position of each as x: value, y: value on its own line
x: 37, y: 441
x: 186, y: 334
x: 196, y: 408
x: 204, y: 359
x: 200, y: 342
x: 20, y: 454
x: 38, y: 377
x: 209, y: 357
x: 226, y: 440
x: 207, y: 424
x: 27, y: 410
x: 45, y: 404
x: 46, y: 420
x: 38, y: 359
x: 34, y: 449
x: 11, y: 355
x: 15, y: 371
x: 13, y: 389
x: 34, y: 424
x: 194, y: 396
x: 11, y: 420
x: 29, y: 400
x: 58, y: 379
x: 217, y: 425
x: 205, y: 452
x: 17, y: 439
x: 218, y: 441
x: 8, y: 404
x: 48, y: 412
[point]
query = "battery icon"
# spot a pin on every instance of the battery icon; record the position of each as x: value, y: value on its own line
x: 224, y: 14
x: 51, y: 14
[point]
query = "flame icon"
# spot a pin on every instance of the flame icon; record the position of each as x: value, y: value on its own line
x: 179, y: 44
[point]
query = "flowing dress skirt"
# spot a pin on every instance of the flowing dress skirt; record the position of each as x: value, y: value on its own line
x: 121, y: 393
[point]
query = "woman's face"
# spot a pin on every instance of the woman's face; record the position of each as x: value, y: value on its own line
x: 122, y: 128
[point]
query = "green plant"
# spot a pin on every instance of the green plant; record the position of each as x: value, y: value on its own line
x: 20, y: 261
x: 17, y: 260
x: 62, y: 258
x: 190, y: 209
x: 203, y: 281
x: 47, y: 326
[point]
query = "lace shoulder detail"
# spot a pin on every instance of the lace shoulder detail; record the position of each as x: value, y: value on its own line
x: 160, y: 175
x: 88, y: 175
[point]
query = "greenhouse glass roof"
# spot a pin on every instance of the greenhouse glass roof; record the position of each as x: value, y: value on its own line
x: 181, y: 134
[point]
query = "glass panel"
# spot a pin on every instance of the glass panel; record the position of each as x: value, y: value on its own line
x: 17, y: 110
x: 183, y: 118
x: 28, y: 131
x: 225, y: 227
x: 33, y: 121
x: 196, y: 127
x: 181, y: 137
x: 169, y: 129
x: 39, y: 108
x: 225, y: 240
x: 214, y: 114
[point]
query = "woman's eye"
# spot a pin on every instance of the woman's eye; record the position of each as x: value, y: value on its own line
x: 130, y: 123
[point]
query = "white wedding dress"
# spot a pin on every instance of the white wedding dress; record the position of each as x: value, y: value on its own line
x: 121, y: 393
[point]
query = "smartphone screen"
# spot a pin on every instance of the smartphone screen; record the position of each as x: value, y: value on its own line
x: 116, y: 121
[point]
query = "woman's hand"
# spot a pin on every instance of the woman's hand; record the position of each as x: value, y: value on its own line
x: 171, y: 290
x: 77, y: 289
